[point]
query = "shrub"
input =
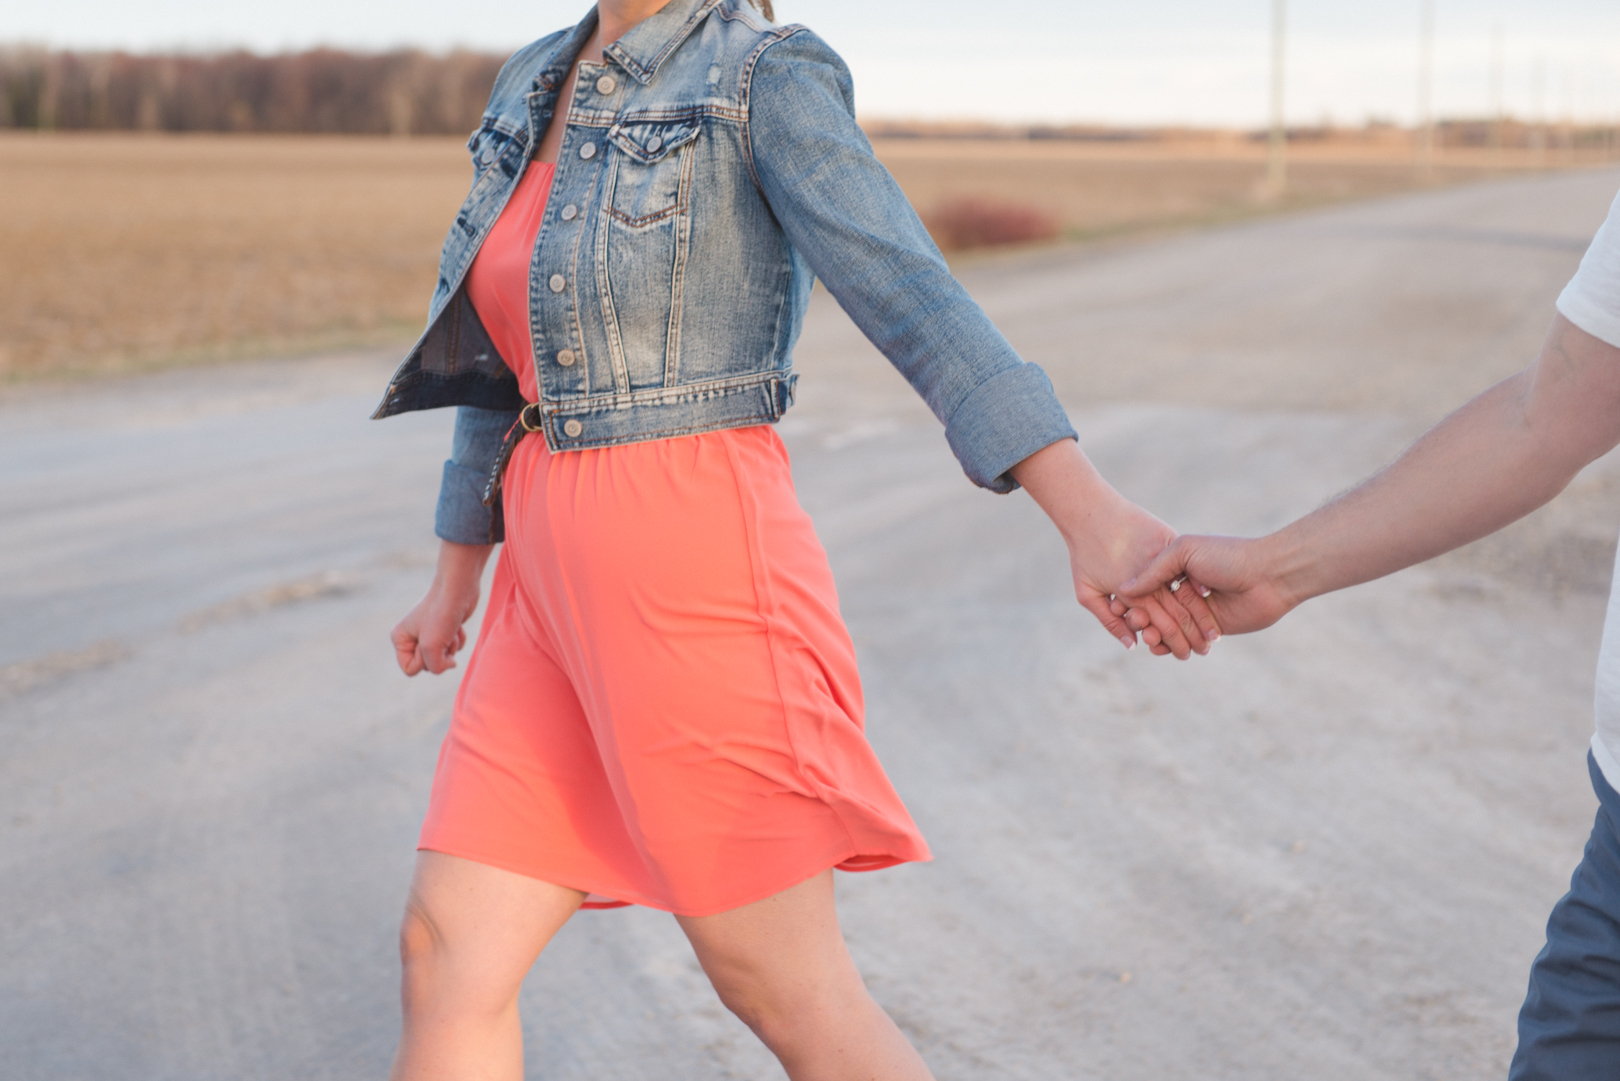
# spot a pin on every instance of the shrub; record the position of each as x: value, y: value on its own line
x: 973, y: 222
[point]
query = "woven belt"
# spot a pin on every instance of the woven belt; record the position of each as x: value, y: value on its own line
x: 528, y: 421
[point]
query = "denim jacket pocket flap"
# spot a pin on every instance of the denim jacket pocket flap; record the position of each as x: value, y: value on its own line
x: 486, y: 145
x: 650, y: 141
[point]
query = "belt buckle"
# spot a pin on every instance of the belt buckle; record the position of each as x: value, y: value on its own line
x: 523, y: 417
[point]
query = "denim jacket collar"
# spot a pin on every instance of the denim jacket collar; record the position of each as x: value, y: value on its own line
x: 639, y: 52
x: 554, y: 69
x: 650, y: 42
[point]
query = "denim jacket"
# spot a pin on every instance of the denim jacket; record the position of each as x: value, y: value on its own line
x: 711, y: 169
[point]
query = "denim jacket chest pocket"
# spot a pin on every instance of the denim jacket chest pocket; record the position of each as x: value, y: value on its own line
x: 490, y: 145
x: 652, y: 171
x: 642, y: 249
x: 497, y: 156
x: 485, y: 146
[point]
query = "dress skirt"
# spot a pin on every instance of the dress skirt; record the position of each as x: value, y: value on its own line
x: 663, y: 707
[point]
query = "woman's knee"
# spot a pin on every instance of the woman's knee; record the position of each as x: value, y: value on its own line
x: 420, y: 946
x: 752, y: 1003
x: 418, y: 938
x: 440, y: 976
x: 785, y: 1008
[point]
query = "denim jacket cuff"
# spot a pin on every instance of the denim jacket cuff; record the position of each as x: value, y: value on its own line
x: 461, y: 516
x: 1007, y: 418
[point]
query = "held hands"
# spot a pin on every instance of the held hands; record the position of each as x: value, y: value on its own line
x: 1178, y: 622
x: 1110, y: 539
x: 1245, y: 592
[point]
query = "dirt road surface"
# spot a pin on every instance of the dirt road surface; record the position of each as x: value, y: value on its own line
x: 1324, y: 852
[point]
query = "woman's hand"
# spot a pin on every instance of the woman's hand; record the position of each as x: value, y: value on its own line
x: 1174, y: 621
x: 1110, y: 539
x: 432, y: 633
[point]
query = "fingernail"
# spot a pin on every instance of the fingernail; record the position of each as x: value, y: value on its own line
x: 1203, y: 591
x: 1213, y: 636
x: 1128, y: 641
x: 1125, y: 587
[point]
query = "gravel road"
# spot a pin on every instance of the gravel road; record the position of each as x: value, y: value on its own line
x: 1326, y: 852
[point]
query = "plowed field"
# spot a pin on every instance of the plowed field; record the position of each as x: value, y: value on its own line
x: 121, y: 251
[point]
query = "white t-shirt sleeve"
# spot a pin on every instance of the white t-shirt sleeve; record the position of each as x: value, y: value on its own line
x: 1591, y: 300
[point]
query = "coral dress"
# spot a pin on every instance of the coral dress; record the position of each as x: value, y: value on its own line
x: 662, y: 707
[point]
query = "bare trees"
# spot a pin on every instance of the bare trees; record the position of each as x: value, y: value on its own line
x: 322, y: 90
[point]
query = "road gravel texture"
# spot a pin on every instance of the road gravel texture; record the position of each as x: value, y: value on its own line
x: 1327, y: 851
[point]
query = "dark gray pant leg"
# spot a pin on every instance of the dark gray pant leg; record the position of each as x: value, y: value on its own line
x: 1569, y: 1026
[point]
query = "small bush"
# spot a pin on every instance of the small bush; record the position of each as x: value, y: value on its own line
x: 972, y: 222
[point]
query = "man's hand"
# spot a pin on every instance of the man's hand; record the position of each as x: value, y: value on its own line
x: 1244, y: 597
x: 432, y: 633
x: 1171, y: 621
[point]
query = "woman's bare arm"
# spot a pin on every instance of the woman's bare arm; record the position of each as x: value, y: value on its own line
x: 433, y: 632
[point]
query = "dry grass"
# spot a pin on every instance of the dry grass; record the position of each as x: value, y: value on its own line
x: 123, y: 250
x: 1098, y: 189
x: 126, y: 251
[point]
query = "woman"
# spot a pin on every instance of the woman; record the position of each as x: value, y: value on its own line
x: 663, y: 707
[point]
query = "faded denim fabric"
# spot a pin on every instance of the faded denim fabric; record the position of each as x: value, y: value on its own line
x: 711, y: 169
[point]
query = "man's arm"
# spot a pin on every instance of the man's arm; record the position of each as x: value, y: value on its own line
x: 1505, y: 453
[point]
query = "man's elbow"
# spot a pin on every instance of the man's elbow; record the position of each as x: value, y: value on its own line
x: 1575, y: 397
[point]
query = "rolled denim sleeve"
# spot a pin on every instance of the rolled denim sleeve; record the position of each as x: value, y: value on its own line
x: 461, y: 515
x: 850, y: 221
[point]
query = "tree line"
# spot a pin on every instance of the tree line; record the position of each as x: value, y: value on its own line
x: 405, y: 92
x: 409, y: 92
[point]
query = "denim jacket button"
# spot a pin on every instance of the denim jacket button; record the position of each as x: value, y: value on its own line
x: 566, y: 358
x: 572, y: 429
x: 607, y: 84
x: 588, y: 151
x: 558, y: 283
x: 570, y: 212
x: 654, y: 144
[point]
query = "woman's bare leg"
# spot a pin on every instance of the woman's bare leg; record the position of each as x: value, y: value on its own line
x: 781, y: 965
x: 470, y: 934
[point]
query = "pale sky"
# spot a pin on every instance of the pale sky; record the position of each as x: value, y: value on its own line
x: 1143, y: 61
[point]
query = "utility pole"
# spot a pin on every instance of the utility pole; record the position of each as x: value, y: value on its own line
x: 1538, y: 112
x: 1567, y: 137
x: 1498, y: 98
x: 1425, y: 134
x: 1277, y: 149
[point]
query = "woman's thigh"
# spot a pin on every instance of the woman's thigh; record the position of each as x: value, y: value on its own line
x: 789, y: 944
x: 472, y: 932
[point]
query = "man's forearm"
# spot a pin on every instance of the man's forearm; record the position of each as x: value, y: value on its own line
x: 1505, y: 453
